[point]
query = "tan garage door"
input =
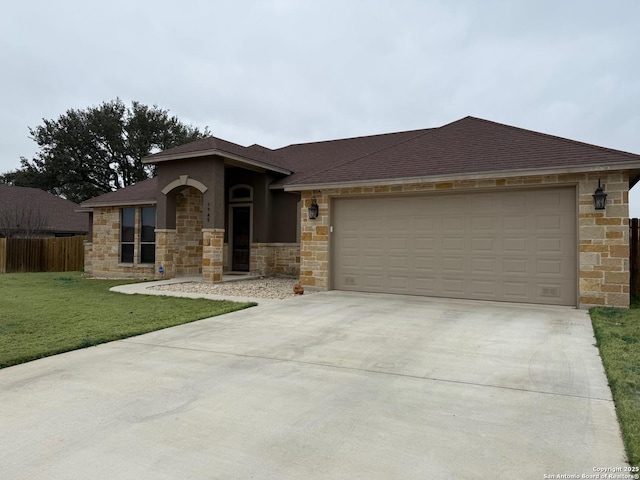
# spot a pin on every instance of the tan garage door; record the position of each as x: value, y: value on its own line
x: 517, y: 246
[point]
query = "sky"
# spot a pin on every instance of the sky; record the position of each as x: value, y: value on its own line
x: 277, y: 72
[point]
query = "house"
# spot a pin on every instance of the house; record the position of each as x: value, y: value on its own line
x: 30, y: 212
x: 473, y: 209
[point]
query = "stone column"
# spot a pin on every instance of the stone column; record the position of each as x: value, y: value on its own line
x: 212, y: 254
x: 165, y: 252
x: 314, y: 242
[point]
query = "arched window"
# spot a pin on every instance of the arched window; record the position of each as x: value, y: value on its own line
x: 241, y: 193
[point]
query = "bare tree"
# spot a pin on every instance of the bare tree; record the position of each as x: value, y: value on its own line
x: 21, y: 221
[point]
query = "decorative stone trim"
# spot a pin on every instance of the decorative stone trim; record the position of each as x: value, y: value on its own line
x: 182, y: 181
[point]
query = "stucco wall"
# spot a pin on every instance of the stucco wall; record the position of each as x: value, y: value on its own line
x: 603, y: 236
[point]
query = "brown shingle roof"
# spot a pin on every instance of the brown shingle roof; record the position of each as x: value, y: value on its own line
x: 59, y: 215
x: 467, y: 146
x: 470, y: 146
x: 140, y: 193
x: 255, y: 153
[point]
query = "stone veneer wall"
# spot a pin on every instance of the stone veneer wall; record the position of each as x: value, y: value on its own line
x: 188, y: 260
x: 88, y: 257
x: 603, y: 236
x: 212, y: 248
x: 279, y: 259
x: 105, y: 247
x: 165, y: 253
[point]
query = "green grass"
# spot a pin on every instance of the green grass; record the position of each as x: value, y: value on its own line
x: 43, y: 314
x: 618, y: 335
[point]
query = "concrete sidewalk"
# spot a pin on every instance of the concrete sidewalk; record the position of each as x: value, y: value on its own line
x: 333, y: 385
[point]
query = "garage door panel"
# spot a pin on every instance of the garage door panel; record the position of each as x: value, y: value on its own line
x: 402, y: 262
x: 453, y: 265
x: 426, y: 244
x: 398, y: 283
x: 486, y: 288
x: 453, y: 286
x: 373, y: 225
x: 373, y: 243
x: 486, y: 266
x: 453, y: 244
x: 514, y: 224
x: 550, y: 222
x: 512, y: 246
x: 400, y: 224
x: 515, y: 245
x: 551, y: 267
x: 485, y: 224
x: 374, y: 282
x: 453, y: 225
x: 483, y: 245
x: 550, y: 245
x: 426, y: 225
x: 514, y: 266
x: 349, y: 261
x: 424, y: 264
x: 425, y: 285
x: 374, y: 261
x: 399, y: 243
x: 510, y: 202
x: 516, y: 291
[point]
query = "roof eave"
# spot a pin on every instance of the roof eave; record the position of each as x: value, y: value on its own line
x: 461, y: 176
x: 89, y: 205
x: 207, y: 153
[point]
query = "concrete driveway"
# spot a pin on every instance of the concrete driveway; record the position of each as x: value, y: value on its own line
x: 333, y: 385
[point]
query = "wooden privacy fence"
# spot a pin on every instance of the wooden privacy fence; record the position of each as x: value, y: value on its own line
x: 3, y: 255
x: 59, y: 254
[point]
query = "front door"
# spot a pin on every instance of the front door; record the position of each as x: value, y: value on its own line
x: 241, y: 233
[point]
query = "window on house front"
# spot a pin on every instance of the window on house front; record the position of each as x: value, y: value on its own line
x: 127, y: 234
x: 148, y: 235
x: 239, y: 193
x: 138, y: 240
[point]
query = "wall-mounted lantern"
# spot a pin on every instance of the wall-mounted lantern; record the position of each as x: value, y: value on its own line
x: 599, y: 198
x: 313, y: 209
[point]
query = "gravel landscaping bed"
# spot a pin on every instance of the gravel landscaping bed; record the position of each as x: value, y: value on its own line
x: 277, y: 288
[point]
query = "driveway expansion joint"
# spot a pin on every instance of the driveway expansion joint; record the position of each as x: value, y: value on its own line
x: 375, y: 372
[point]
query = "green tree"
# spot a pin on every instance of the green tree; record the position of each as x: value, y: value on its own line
x: 85, y: 153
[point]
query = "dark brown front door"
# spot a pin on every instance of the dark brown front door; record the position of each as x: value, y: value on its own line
x: 241, y: 239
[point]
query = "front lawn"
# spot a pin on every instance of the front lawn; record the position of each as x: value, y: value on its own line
x: 43, y: 314
x: 618, y: 335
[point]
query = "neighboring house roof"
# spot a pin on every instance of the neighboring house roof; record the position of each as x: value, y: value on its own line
x: 143, y: 193
x: 54, y: 214
x: 467, y: 147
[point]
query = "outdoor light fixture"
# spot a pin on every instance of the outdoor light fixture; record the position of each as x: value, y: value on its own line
x: 599, y: 198
x: 313, y: 209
